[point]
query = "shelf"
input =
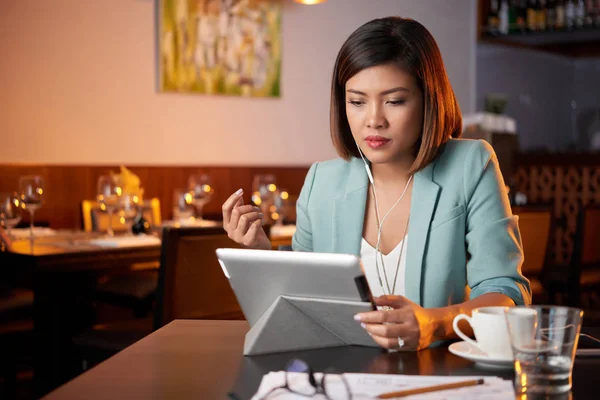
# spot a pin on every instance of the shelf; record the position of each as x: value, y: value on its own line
x: 549, y: 38
x: 580, y: 43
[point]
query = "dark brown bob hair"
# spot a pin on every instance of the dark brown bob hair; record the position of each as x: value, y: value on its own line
x: 409, y: 45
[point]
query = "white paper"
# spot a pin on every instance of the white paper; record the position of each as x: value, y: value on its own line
x: 369, y: 386
x: 126, y: 241
x: 38, y: 231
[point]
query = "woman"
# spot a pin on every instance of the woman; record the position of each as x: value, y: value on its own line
x: 427, y: 213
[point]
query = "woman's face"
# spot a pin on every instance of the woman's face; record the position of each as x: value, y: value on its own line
x: 384, y: 106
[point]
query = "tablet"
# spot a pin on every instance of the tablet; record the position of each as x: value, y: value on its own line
x: 258, y: 277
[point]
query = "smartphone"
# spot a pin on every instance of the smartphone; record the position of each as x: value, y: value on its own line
x: 365, y: 291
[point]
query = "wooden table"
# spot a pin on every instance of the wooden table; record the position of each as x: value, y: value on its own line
x: 62, y: 271
x: 191, y: 359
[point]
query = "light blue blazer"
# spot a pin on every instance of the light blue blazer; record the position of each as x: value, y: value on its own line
x: 462, y: 231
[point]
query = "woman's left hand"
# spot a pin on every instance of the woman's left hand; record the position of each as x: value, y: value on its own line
x: 408, y: 321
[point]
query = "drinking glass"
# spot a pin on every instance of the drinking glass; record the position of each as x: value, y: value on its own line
x: 201, y: 189
x: 108, y: 197
x: 263, y: 189
x: 182, y: 205
x: 129, y: 210
x: 31, y: 190
x: 544, y: 341
x: 279, y: 208
x: 10, y: 215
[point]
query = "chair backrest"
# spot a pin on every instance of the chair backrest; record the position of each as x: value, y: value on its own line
x: 96, y: 220
x: 191, y: 282
x: 587, y: 238
x: 535, y: 225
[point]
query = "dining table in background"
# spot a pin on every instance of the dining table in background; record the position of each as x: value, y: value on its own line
x: 62, y: 269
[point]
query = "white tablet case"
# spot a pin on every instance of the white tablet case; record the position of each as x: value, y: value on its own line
x: 301, y: 323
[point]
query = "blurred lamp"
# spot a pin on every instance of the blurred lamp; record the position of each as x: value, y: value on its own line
x: 310, y: 1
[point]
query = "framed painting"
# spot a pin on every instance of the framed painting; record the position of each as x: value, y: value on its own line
x: 230, y: 47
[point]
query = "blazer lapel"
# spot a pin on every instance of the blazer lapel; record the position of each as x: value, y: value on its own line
x: 349, y: 211
x: 423, y: 202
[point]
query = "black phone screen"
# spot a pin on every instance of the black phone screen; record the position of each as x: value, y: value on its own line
x: 364, y: 290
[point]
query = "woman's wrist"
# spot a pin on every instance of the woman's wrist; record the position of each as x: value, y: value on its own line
x: 443, y: 317
x: 441, y: 322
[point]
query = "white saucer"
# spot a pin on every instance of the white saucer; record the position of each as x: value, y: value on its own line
x: 472, y: 353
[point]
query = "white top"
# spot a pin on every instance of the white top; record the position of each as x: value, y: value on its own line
x: 367, y: 255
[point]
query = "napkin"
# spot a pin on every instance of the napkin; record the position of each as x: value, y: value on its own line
x: 38, y: 231
x: 126, y: 241
x: 283, y: 230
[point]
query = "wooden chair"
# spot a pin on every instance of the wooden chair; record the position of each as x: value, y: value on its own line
x: 536, y: 227
x: 191, y: 286
x: 584, y: 268
x: 95, y: 220
x: 16, y: 335
x: 192, y: 282
x: 135, y: 289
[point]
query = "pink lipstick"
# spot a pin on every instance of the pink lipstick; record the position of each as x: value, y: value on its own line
x: 375, y: 142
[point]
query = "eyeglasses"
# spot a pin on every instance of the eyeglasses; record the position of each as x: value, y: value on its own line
x: 300, y: 379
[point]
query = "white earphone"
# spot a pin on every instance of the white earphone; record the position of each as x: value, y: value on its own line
x: 380, y: 221
x: 366, y: 165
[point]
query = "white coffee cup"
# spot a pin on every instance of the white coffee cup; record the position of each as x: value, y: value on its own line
x: 491, y: 331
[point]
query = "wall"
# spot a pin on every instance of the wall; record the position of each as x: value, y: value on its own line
x: 77, y: 84
x: 586, y: 89
x: 546, y: 93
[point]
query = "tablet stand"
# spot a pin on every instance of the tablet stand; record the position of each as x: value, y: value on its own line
x: 301, y: 323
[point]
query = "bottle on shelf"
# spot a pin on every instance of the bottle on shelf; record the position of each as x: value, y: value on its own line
x: 561, y: 21
x: 522, y: 16
x: 532, y: 15
x: 503, y: 23
x: 589, y: 14
x: 579, y: 14
x: 513, y: 11
x: 551, y: 15
x: 493, y: 20
x: 570, y: 15
x: 541, y: 14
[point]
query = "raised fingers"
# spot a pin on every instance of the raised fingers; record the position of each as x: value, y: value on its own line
x: 246, y: 220
x: 251, y: 236
x: 236, y: 216
x: 229, y: 205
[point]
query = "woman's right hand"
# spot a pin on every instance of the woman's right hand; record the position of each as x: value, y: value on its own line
x: 243, y: 223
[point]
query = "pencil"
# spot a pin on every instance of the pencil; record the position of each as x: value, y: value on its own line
x: 428, y: 389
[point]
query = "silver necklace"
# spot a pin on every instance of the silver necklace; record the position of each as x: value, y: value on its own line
x: 402, y: 245
x: 378, y: 254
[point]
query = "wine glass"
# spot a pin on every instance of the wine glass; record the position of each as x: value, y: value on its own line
x: 182, y: 205
x: 108, y: 197
x: 9, y: 211
x: 31, y: 189
x: 263, y: 189
x: 129, y: 210
x: 201, y: 189
x: 279, y: 207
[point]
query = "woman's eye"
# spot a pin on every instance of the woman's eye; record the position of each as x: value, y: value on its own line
x: 356, y: 103
x: 396, y: 102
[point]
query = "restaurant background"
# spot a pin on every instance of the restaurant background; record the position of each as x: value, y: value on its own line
x: 78, y: 82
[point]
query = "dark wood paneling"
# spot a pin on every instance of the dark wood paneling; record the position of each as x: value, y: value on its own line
x: 67, y: 186
x: 558, y: 159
